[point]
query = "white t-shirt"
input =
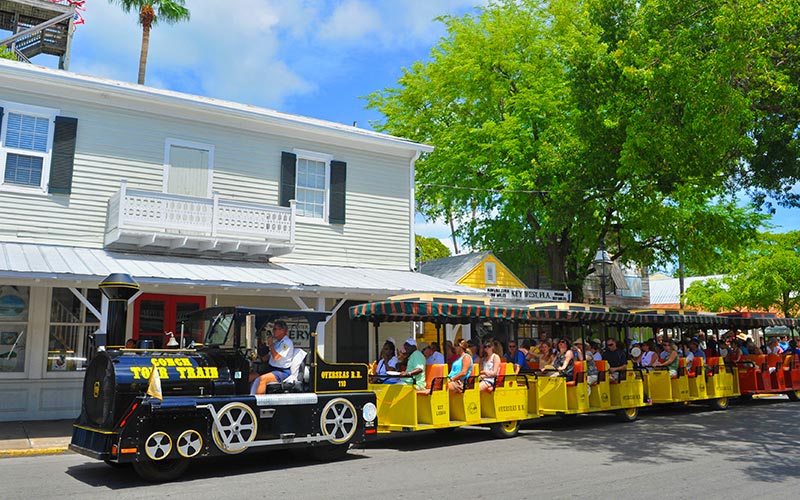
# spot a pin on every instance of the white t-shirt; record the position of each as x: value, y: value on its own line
x: 285, y: 349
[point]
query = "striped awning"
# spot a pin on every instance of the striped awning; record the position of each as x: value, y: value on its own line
x: 441, y: 312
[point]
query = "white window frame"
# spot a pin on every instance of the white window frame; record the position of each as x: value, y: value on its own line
x: 38, y: 111
x: 181, y: 143
x: 321, y: 157
x: 88, y: 321
x: 490, y: 271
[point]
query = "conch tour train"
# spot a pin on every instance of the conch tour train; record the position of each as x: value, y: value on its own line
x: 160, y: 409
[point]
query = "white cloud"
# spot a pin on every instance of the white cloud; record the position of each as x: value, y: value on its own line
x: 351, y: 21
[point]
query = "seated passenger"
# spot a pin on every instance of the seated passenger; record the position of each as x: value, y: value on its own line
x: 514, y: 355
x: 432, y: 355
x: 564, y: 360
x: 415, y: 366
x: 130, y: 344
x: 387, y: 363
x: 490, y: 367
x: 541, y: 353
x: 462, y: 368
x: 773, y: 347
x: 473, y: 346
x: 648, y: 356
x: 671, y: 361
x: 694, y: 348
x: 280, y: 357
x: 616, y: 358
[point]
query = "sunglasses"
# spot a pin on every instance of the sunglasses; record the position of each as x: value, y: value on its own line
x: 512, y: 345
x: 611, y: 345
x: 486, y: 346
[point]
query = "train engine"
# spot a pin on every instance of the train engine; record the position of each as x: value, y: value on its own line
x: 160, y: 409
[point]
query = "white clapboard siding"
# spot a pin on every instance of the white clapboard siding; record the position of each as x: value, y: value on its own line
x: 116, y: 143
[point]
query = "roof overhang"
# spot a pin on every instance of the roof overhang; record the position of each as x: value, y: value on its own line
x: 49, y: 265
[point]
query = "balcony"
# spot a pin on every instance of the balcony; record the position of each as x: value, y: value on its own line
x: 153, y: 222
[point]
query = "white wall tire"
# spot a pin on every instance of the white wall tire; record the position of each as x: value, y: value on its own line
x: 339, y: 421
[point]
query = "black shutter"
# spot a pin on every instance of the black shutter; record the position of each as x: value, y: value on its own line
x: 63, y: 157
x: 1, y: 120
x: 288, y: 176
x: 338, y: 188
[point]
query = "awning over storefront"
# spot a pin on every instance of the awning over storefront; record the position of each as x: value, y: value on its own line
x: 48, y: 264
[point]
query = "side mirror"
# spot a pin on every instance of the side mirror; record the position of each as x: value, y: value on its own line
x: 249, y: 331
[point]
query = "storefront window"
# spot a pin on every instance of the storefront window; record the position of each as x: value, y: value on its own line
x: 71, y: 323
x: 13, y: 327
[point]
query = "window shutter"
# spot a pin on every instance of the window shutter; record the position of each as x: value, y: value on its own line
x: 288, y: 175
x: 63, y: 158
x: 338, y: 189
x: 1, y: 120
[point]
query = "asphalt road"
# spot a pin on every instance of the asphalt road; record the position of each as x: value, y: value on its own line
x: 749, y: 451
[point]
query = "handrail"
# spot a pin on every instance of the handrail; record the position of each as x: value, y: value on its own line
x: 39, y: 27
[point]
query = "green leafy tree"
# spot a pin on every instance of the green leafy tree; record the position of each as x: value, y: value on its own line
x: 151, y: 12
x: 767, y: 278
x: 5, y: 53
x: 430, y: 249
x: 554, y: 133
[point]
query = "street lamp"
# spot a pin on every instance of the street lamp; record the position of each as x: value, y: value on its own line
x: 602, y: 263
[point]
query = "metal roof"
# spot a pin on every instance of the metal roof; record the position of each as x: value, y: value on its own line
x: 453, y: 268
x: 91, y: 265
x: 667, y: 291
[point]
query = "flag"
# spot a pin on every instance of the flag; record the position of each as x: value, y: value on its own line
x: 154, y: 385
x: 77, y: 19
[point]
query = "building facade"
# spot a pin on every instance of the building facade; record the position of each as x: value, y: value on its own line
x: 203, y: 202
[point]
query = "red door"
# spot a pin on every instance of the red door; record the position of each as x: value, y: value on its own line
x: 154, y: 315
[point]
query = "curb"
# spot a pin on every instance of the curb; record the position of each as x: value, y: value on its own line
x: 33, y: 451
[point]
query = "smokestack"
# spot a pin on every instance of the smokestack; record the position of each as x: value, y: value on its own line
x: 118, y: 288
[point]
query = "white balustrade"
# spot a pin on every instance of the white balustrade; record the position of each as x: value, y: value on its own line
x: 206, y: 217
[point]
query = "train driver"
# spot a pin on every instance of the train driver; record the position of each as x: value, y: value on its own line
x: 280, y: 357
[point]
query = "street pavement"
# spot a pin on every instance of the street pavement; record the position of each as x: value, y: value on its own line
x: 35, y: 437
x: 748, y: 451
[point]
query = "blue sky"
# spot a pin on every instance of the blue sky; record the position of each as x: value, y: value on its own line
x: 315, y: 58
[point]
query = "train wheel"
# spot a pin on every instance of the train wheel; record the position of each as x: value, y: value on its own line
x: 719, y: 404
x: 189, y: 444
x: 158, y: 445
x: 793, y: 395
x: 162, y: 471
x: 338, y: 421
x: 237, y: 427
x: 505, y: 429
x: 627, y: 414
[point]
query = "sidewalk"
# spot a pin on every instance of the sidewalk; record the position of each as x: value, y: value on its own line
x: 34, y: 437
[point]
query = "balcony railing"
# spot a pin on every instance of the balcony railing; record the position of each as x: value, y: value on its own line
x: 171, y: 223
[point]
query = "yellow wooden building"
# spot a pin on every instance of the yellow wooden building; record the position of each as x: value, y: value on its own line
x: 480, y: 270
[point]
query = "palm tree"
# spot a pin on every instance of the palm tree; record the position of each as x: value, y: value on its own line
x: 150, y: 13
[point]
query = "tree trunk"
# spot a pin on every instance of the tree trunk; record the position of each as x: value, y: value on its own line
x: 143, y: 55
x: 146, y: 17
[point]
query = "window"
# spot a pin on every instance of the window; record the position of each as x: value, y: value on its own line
x: 26, y: 137
x: 490, y: 273
x: 13, y: 328
x: 68, y: 348
x: 188, y: 168
x: 312, y: 185
x: 317, y: 184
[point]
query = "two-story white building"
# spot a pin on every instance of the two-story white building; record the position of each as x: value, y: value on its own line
x: 202, y: 201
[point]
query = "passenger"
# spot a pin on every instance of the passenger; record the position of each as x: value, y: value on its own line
x: 748, y: 347
x: 773, y: 347
x: 450, y: 353
x: 671, y: 361
x: 648, y: 356
x: 524, y: 347
x: 694, y: 348
x: 577, y: 350
x: 735, y: 353
x: 280, y: 357
x: 490, y: 367
x: 687, y: 353
x: 472, y: 347
x: 130, y: 344
x: 498, y: 348
x: 415, y: 368
x: 436, y: 355
x: 387, y: 363
x: 514, y: 355
x: 594, y: 349
x: 427, y: 351
x: 616, y: 358
x: 462, y: 368
x: 565, y: 360
x: 541, y: 353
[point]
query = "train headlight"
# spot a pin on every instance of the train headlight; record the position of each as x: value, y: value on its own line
x: 369, y: 412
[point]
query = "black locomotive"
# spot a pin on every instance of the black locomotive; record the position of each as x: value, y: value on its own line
x: 160, y: 409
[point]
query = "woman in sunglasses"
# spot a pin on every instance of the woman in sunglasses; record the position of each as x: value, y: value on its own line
x: 565, y: 360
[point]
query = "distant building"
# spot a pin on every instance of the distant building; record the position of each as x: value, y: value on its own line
x: 665, y: 291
